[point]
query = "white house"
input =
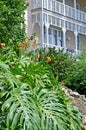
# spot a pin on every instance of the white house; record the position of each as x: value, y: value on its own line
x: 59, y: 23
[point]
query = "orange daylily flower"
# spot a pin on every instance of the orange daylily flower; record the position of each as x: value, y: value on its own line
x: 2, y: 45
x: 35, y: 41
x: 48, y: 59
x: 21, y: 46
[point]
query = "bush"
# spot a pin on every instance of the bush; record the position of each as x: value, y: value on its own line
x: 78, y: 80
x: 60, y: 62
x: 30, y: 98
x: 69, y: 69
x: 11, y: 19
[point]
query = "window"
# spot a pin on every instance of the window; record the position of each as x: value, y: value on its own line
x: 50, y: 35
x: 49, y: 19
x: 53, y: 20
x: 60, y: 38
x: 55, y: 37
x: 78, y: 42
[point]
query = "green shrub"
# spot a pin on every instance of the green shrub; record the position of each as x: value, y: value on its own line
x: 30, y: 98
x: 78, y: 80
x: 60, y: 62
x: 69, y: 69
x: 11, y: 19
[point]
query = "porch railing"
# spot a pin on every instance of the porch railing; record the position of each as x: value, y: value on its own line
x: 60, y: 8
x: 73, y: 51
x: 36, y: 4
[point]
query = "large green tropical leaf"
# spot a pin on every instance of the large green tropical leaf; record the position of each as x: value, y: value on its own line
x: 39, y: 109
x: 33, y: 103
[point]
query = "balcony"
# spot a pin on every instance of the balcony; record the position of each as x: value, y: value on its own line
x: 60, y: 8
x: 64, y: 10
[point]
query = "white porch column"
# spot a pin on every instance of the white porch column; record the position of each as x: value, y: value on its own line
x: 47, y: 27
x: 42, y: 36
x: 63, y: 1
x: 64, y: 37
x: 75, y: 33
x: 75, y: 4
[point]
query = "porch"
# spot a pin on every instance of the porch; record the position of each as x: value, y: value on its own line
x: 74, y: 9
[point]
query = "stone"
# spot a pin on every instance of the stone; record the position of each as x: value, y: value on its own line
x: 84, y: 120
x: 74, y: 94
x: 83, y: 97
x: 69, y: 90
x: 85, y: 127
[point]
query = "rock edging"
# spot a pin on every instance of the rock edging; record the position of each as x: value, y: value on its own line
x: 79, y: 101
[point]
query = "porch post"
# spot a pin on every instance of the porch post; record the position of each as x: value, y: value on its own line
x: 64, y: 37
x: 42, y: 39
x: 63, y: 1
x: 47, y: 27
x: 75, y: 4
x: 75, y: 33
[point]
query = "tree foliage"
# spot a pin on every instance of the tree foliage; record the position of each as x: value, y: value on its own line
x: 12, y: 26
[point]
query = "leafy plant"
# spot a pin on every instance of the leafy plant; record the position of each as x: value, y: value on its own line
x: 60, y: 62
x: 31, y: 99
x: 11, y: 19
x: 68, y: 68
x: 78, y: 80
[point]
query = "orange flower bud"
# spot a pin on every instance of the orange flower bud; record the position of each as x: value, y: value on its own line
x: 62, y: 83
x: 2, y: 45
x: 21, y: 46
x: 26, y: 41
x: 37, y: 56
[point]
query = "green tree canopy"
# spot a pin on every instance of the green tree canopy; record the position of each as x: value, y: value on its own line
x: 12, y: 25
